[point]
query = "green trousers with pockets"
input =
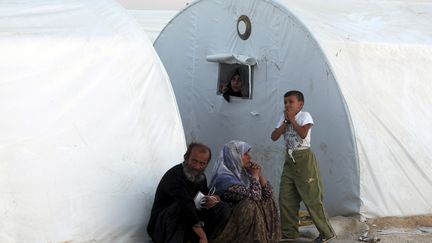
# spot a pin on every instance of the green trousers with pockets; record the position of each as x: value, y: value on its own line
x: 301, y: 181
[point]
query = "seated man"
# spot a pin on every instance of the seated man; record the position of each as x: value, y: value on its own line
x: 174, y: 216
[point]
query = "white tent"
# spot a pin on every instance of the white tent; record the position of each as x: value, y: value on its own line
x: 89, y: 123
x: 152, y: 21
x: 365, y: 70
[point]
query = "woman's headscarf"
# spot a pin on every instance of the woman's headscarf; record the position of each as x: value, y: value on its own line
x: 230, y: 91
x: 228, y: 170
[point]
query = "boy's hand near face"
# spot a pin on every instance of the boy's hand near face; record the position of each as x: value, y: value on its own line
x: 290, y: 115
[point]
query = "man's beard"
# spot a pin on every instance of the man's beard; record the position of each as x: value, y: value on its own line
x: 193, y: 175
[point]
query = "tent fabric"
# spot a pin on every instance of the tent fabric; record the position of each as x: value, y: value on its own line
x: 152, y: 21
x: 363, y: 67
x: 380, y: 52
x: 89, y: 123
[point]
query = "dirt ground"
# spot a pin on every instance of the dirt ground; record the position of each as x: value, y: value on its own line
x: 410, y: 229
x: 416, y: 229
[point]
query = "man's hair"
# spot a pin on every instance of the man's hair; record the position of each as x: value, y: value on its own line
x: 202, y: 148
x: 296, y: 93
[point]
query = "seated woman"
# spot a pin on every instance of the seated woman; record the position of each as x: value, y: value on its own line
x: 233, y: 87
x: 240, y: 182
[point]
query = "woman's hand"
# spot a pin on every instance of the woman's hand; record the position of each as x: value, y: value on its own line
x: 255, y: 170
x: 255, y: 167
x: 262, y: 181
x: 224, y: 88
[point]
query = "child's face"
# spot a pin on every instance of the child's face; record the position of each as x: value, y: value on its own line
x: 293, y: 104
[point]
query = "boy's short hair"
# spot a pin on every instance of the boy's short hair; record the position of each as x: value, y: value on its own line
x: 202, y: 148
x: 299, y: 95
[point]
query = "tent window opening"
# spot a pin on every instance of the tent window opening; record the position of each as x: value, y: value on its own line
x: 235, y: 80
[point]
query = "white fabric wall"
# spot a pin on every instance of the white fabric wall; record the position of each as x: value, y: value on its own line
x: 364, y: 67
x: 89, y: 123
x: 381, y: 52
x: 152, y: 21
x: 288, y: 58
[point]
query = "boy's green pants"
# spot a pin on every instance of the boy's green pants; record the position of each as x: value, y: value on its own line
x: 301, y: 181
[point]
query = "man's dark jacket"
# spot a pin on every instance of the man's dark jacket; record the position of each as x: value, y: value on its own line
x: 174, y: 196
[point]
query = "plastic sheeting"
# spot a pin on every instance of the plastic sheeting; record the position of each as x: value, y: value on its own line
x: 381, y: 55
x: 152, y: 21
x: 89, y: 123
x: 363, y: 67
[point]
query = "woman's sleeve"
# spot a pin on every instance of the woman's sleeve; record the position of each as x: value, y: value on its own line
x: 240, y: 192
x: 267, y: 191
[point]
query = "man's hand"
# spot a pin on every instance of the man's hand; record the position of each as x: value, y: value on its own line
x: 201, y: 234
x: 203, y: 240
x: 211, y: 201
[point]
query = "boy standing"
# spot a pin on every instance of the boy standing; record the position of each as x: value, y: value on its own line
x: 300, y: 179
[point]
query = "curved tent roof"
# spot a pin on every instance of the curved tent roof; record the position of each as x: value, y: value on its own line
x: 88, y: 114
x: 381, y: 55
x: 152, y: 21
x: 364, y: 67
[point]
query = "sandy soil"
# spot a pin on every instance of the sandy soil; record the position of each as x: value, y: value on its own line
x: 416, y: 229
x: 410, y: 229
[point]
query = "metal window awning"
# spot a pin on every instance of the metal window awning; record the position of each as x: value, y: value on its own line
x: 232, y: 58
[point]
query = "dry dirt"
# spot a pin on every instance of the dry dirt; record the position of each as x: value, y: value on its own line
x: 416, y: 229
x: 410, y: 229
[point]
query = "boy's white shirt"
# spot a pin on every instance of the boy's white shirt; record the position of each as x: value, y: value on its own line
x: 292, y: 139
